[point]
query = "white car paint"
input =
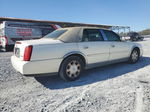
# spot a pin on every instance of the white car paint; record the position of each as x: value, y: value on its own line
x: 48, y: 54
x: 119, y: 50
x: 96, y: 51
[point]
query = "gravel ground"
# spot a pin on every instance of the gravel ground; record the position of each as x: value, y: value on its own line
x: 120, y: 87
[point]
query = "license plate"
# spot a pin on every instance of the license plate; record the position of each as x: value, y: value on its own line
x: 17, y: 52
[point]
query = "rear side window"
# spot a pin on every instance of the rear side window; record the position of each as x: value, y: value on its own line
x: 92, y: 35
x: 111, y: 36
x: 55, y: 34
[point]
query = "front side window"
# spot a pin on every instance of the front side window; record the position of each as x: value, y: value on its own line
x: 55, y: 34
x: 111, y: 36
x: 92, y: 35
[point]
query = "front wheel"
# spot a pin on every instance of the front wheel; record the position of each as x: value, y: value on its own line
x: 71, y: 68
x: 134, y: 57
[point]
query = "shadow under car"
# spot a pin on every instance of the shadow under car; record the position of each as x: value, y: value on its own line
x: 94, y: 75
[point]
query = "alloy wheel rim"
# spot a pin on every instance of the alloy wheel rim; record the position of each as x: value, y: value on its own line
x: 73, y: 69
x: 135, y: 56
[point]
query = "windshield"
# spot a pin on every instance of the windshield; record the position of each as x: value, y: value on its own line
x: 55, y: 34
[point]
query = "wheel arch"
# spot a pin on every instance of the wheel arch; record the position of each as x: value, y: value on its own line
x: 131, y: 60
x: 136, y: 47
x: 76, y: 53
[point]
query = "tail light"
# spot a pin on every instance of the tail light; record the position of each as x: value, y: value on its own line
x: 27, y: 53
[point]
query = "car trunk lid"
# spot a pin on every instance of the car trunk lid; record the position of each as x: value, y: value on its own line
x: 23, y: 49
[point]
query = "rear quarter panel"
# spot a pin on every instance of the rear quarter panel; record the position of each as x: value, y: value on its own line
x: 52, y: 51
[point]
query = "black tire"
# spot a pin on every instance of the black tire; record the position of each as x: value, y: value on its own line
x: 71, y: 68
x: 135, y: 55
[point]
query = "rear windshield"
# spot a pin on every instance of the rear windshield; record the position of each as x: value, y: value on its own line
x: 55, y: 34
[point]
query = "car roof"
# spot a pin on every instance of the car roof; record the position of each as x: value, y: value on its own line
x: 85, y: 28
x: 73, y: 34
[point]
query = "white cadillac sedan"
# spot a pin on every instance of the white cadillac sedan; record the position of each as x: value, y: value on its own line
x: 68, y: 51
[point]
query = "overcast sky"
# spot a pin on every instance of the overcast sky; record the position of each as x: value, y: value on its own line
x: 134, y: 13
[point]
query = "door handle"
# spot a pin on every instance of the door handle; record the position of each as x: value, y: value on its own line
x: 85, y: 47
x: 112, y: 45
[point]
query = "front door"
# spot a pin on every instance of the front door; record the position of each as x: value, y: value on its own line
x: 118, y: 49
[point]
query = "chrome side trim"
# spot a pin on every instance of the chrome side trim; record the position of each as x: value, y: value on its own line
x: 41, y: 74
x: 45, y: 59
x: 96, y: 54
x: 119, y: 51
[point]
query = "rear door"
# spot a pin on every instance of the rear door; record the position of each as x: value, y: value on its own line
x: 94, y: 46
x: 118, y: 49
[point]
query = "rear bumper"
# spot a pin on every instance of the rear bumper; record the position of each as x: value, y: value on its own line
x: 18, y: 64
x: 36, y: 67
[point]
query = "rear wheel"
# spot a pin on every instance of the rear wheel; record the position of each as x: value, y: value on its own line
x: 71, y: 68
x: 134, y: 57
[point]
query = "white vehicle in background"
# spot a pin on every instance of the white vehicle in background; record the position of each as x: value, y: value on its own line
x: 68, y: 51
x: 125, y: 38
x: 10, y: 32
